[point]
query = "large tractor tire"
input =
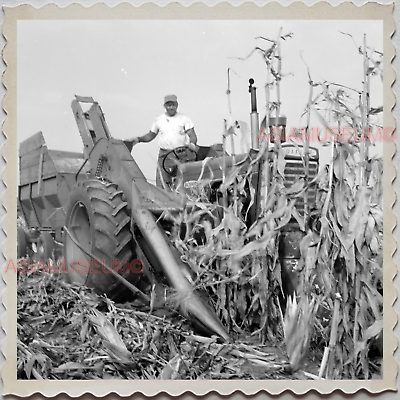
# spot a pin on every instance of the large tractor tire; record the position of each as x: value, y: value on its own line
x: 45, y: 247
x: 22, y: 243
x: 98, y: 237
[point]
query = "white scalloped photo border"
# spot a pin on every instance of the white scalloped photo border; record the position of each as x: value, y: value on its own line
x: 276, y: 11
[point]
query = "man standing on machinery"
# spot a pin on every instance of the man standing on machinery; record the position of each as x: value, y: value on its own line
x: 176, y: 134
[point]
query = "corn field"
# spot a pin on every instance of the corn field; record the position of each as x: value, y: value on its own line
x: 338, y: 310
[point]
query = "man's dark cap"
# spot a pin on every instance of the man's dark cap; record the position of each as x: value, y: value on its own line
x: 170, y: 98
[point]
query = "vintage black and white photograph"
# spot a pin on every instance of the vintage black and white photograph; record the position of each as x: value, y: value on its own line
x: 200, y: 199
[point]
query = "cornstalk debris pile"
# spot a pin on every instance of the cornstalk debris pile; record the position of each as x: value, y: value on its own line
x: 69, y: 332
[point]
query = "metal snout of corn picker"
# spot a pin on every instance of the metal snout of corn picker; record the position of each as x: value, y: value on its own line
x: 100, y: 206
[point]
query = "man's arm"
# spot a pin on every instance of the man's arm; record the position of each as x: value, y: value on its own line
x: 192, y: 135
x: 148, y: 137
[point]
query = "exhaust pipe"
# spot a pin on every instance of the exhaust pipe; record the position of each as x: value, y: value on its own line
x: 254, y: 118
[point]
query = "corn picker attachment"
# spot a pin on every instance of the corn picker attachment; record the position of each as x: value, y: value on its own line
x: 111, y: 221
x: 103, y: 209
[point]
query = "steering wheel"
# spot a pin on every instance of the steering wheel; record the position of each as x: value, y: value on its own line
x: 176, y: 156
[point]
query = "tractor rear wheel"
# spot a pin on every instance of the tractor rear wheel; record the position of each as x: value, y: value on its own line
x: 98, y: 238
x: 45, y: 247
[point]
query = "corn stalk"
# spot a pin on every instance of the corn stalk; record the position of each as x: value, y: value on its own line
x: 277, y: 76
x: 364, y: 115
x: 264, y: 167
x: 307, y: 150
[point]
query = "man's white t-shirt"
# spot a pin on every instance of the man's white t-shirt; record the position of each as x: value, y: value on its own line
x: 171, y: 130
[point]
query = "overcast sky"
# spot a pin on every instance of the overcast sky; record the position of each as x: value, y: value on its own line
x: 129, y: 66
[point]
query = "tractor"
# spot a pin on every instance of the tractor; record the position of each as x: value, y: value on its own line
x: 110, y: 222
